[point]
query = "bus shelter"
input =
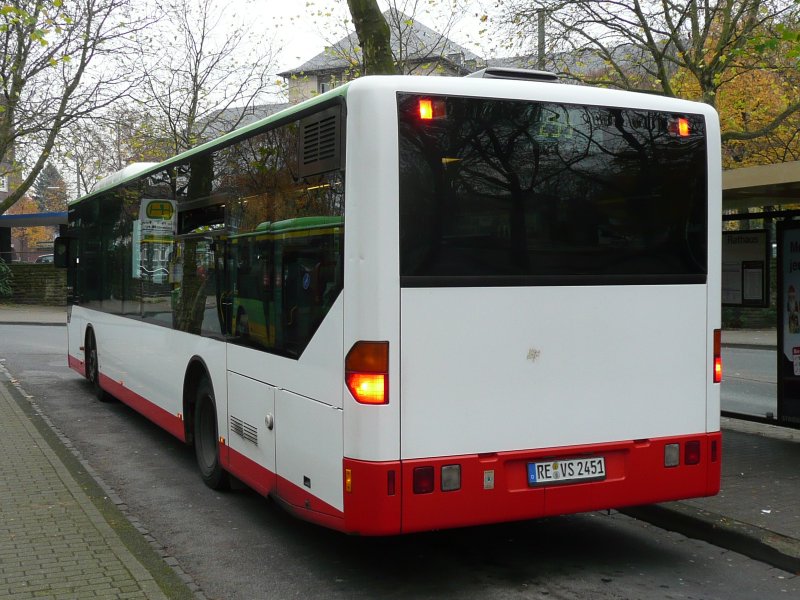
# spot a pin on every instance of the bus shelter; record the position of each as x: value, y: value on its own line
x: 7, y: 222
x: 765, y: 202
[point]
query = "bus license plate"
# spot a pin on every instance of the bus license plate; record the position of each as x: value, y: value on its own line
x: 568, y: 470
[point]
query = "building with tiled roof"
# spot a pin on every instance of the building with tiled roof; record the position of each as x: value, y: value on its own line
x: 418, y: 49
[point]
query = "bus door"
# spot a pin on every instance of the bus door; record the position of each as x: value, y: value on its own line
x: 251, y: 403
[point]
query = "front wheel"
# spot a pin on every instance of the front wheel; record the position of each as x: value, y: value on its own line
x: 206, y: 448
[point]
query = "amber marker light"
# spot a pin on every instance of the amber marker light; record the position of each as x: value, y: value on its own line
x: 679, y: 127
x: 425, y: 110
x: 367, y: 372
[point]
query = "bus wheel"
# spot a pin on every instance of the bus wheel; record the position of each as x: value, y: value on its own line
x: 206, y: 448
x: 93, y: 368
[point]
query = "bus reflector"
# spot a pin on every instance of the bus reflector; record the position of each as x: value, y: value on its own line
x: 423, y: 480
x: 717, y: 355
x: 367, y: 372
x: 691, y: 454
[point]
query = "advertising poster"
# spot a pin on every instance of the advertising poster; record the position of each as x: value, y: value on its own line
x: 745, y: 268
x: 789, y: 323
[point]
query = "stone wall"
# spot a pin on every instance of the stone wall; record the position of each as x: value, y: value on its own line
x: 38, y: 284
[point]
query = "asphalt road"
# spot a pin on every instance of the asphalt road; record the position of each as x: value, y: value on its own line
x: 240, y: 545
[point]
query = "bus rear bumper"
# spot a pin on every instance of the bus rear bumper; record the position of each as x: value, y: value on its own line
x: 494, y: 487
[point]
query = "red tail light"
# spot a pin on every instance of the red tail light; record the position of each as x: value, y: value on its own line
x: 691, y: 454
x: 367, y: 372
x: 717, y: 355
x: 423, y: 480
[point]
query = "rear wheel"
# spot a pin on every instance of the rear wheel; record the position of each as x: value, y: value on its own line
x: 206, y: 447
x: 93, y: 367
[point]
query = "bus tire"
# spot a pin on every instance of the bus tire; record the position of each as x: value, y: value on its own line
x: 206, y: 447
x: 93, y: 368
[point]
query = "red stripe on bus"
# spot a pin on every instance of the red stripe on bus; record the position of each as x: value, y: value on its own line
x: 494, y: 486
x: 295, y: 499
x: 369, y: 508
x: 76, y: 364
x: 262, y: 480
x: 171, y: 423
x: 635, y: 474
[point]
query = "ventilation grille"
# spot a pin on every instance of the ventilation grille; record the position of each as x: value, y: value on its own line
x: 320, y: 142
x: 244, y: 430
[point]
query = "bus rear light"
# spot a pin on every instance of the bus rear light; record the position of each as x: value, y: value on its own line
x: 391, y: 485
x: 431, y: 109
x: 679, y: 127
x: 451, y: 478
x: 423, y: 480
x: 672, y: 455
x: 714, y: 451
x: 367, y: 372
x: 425, y: 110
x: 717, y: 355
x: 367, y: 388
x: 348, y: 480
x: 691, y: 454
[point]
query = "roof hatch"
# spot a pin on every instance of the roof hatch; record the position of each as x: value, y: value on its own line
x: 518, y: 74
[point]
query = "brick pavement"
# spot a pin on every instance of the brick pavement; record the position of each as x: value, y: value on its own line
x: 54, y: 543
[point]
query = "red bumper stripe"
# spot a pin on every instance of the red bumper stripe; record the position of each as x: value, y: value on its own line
x: 494, y: 487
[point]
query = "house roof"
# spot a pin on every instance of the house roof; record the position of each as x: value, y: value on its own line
x: 410, y: 38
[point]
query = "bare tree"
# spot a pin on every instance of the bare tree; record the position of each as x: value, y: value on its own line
x: 202, y: 70
x: 122, y: 134
x: 51, y: 75
x: 634, y: 44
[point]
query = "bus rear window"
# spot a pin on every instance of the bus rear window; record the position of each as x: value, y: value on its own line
x: 506, y: 192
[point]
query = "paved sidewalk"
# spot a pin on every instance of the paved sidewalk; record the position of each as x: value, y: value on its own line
x: 743, y: 338
x: 18, y: 314
x: 757, y: 512
x: 54, y: 541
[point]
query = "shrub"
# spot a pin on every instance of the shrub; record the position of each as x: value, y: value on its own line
x: 5, y: 279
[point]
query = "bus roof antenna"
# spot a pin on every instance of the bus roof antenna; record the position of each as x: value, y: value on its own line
x: 518, y: 74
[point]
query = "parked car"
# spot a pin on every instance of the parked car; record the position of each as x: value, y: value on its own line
x: 45, y: 259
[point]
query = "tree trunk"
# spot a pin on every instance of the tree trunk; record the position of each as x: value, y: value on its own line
x: 373, y: 35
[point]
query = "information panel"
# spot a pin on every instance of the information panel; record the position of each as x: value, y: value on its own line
x: 745, y: 268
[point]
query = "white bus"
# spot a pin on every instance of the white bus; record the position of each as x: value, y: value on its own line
x: 415, y: 303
